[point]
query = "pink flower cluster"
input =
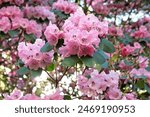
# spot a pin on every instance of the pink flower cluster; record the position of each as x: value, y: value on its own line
x: 98, y: 6
x: 32, y: 57
x: 101, y: 9
x: 115, y: 31
x: 18, y: 95
x: 141, y: 72
x: 39, y: 12
x: 10, y: 12
x: 5, y: 28
x: 81, y: 34
x: 39, y: 2
x: 30, y: 26
x: 129, y: 96
x: 65, y: 6
x: 17, y: 2
x: 52, y: 34
x: 141, y: 33
x: 93, y: 83
x: 143, y: 61
x: 128, y: 50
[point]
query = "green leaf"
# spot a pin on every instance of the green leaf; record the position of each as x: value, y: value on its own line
x: 105, y: 65
x: 29, y: 37
x: 51, y: 67
x: 147, y: 88
x: 70, y: 61
x: 35, y: 73
x: 147, y: 40
x: 148, y: 68
x: 88, y: 61
x: 99, y: 57
x: 67, y: 97
x: 140, y: 84
x: 13, y: 33
x: 46, y: 48
x: 19, y: 63
x: 140, y: 77
x: 23, y: 70
x: 60, y: 14
x: 107, y: 46
x: 128, y: 63
x: 51, y: 2
x: 126, y: 39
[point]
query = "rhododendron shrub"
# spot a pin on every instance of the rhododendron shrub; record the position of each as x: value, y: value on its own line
x: 74, y: 49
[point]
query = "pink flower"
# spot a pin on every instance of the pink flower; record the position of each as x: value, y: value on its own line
x: 55, y: 96
x: 30, y: 97
x: 115, y: 31
x: 15, y: 95
x: 19, y: 2
x: 112, y: 78
x: 10, y: 12
x: 131, y: 50
x: 94, y: 83
x: 113, y: 94
x: 81, y: 34
x: 65, y: 6
x: 86, y: 50
x: 5, y: 24
x: 140, y: 72
x: 39, y: 12
x: 98, y: 84
x: 143, y: 62
x: 129, y: 96
x: 30, y: 26
x: 33, y: 64
x: 32, y: 57
x: 52, y: 34
x: 141, y: 33
x: 101, y: 9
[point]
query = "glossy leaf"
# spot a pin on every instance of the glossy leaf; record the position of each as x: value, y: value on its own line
x: 107, y: 46
x: 99, y: 57
x: 88, y: 61
x: 23, y: 70
x: 70, y: 61
x: 36, y: 73
x: 46, y: 48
